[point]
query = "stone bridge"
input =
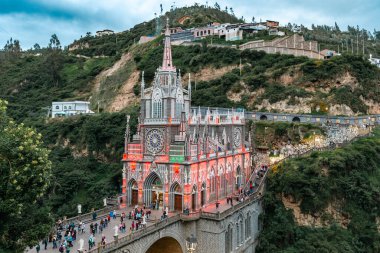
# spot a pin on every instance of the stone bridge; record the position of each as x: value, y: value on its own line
x: 227, y: 228
x: 370, y: 120
x: 233, y: 230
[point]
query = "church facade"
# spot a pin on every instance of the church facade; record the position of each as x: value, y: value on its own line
x: 181, y: 157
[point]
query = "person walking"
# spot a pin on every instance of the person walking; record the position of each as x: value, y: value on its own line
x: 45, y: 242
x: 55, y: 242
x: 38, y: 247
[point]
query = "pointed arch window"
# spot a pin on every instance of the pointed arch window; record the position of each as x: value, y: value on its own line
x: 157, y: 103
x: 179, y: 103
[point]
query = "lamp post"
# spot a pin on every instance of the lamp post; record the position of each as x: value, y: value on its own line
x: 79, y: 211
x: 191, y: 244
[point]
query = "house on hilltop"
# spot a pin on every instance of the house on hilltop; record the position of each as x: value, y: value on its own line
x: 104, y: 32
x: 70, y: 108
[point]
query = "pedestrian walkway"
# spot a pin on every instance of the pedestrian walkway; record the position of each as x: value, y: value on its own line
x: 108, y: 232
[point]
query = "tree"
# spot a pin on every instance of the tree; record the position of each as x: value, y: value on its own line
x: 36, y: 47
x: 232, y: 11
x: 54, y: 60
x: 217, y: 6
x: 162, y: 10
x: 253, y: 19
x: 54, y: 42
x: 337, y: 27
x: 25, y: 177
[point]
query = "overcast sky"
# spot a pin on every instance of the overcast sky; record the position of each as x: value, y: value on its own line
x: 33, y: 21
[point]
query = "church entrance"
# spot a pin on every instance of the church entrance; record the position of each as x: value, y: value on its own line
x: 135, y: 197
x: 157, y: 194
x: 176, y: 197
x: 153, y: 191
x: 194, y: 198
x: 203, y: 194
x: 133, y: 192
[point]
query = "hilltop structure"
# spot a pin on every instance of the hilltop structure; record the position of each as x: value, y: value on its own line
x: 182, y: 159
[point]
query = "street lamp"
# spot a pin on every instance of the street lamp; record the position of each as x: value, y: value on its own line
x: 191, y: 244
x: 79, y: 211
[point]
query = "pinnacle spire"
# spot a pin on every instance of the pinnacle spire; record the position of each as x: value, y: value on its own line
x: 167, y: 62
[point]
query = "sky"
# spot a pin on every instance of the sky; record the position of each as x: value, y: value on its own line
x: 34, y: 21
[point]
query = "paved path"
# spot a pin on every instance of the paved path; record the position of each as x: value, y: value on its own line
x: 108, y: 232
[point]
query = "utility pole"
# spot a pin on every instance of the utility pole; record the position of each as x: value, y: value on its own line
x: 240, y: 66
x: 357, y: 43
x: 363, y: 44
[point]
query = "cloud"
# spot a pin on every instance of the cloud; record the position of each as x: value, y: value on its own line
x: 33, y: 21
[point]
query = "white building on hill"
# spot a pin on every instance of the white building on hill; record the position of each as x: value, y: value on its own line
x: 374, y: 61
x: 70, y: 108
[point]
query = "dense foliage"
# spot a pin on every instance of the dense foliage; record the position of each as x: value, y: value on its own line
x: 349, y: 176
x: 25, y: 171
x: 115, y: 44
x: 274, y: 135
x: 32, y: 82
x: 86, y: 154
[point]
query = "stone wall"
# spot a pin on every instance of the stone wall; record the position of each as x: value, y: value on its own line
x: 210, y: 232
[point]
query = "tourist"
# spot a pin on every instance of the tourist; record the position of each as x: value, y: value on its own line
x: 83, y: 228
x: 38, y: 248
x: 133, y: 225
x: 114, y: 214
x: 103, y: 242
x: 61, y: 248
x: 91, y: 242
x: 55, y: 242
x: 45, y: 242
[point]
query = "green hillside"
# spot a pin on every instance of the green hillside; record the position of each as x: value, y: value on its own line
x: 86, y: 150
x: 348, y: 178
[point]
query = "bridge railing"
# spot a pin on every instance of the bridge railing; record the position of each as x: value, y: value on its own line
x: 122, y: 240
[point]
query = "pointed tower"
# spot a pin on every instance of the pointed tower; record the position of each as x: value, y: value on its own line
x: 167, y: 61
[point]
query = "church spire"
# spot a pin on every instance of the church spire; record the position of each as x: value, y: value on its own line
x: 142, y: 84
x: 167, y: 62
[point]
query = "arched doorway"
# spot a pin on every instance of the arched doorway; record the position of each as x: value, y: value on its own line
x: 228, y: 239
x: 263, y: 117
x: 296, y: 119
x: 153, y: 191
x: 194, y: 194
x: 176, y: 197
x: 164, y: 245
x: 238, y: 177
x: 203, y: 194
x: 133, y: 192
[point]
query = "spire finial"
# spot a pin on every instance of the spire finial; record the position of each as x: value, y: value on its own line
x: 189, y: 86
x: 142, y: 84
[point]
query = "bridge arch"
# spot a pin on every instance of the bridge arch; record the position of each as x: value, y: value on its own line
x: 174, y: 238
x: 263, y: 117
x: 296, y: 119
x: 164, y: 245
